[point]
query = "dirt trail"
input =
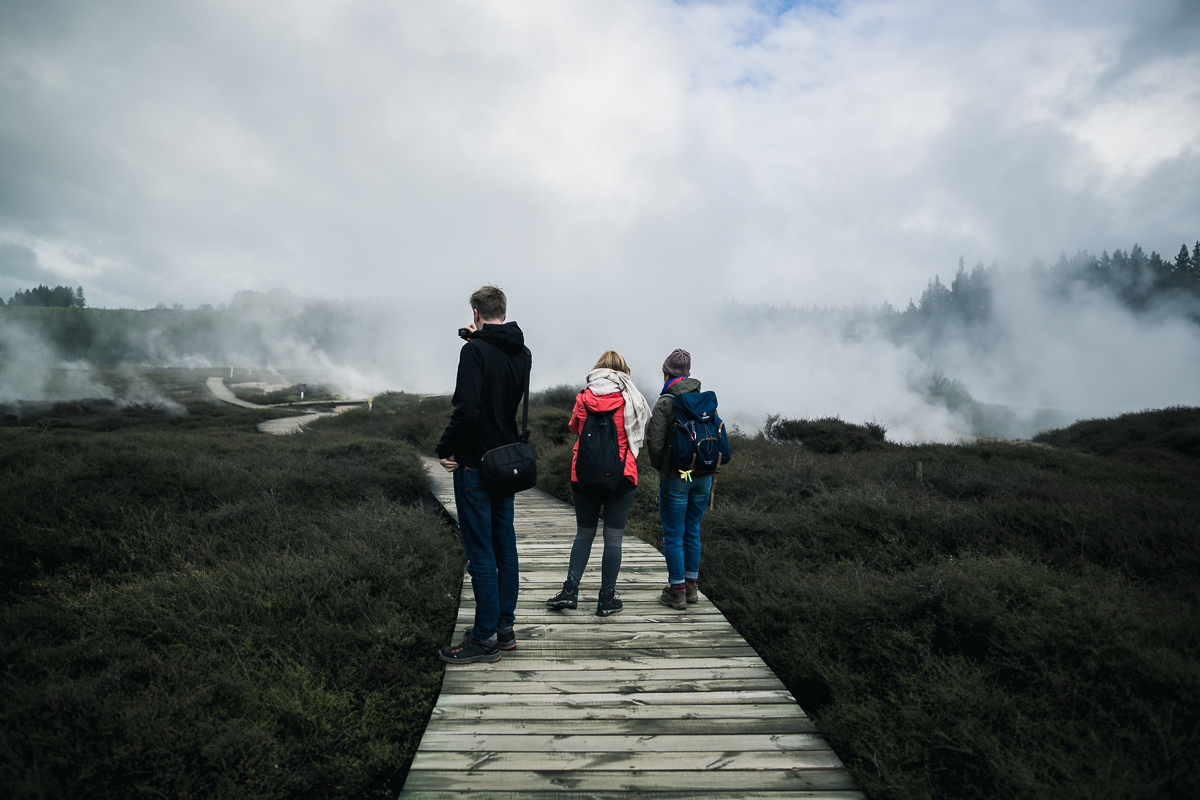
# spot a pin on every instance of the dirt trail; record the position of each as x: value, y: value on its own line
x: 281, y: 426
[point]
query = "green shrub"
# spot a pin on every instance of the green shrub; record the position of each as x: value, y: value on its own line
x: 986, y: 621
x: 561, y: 397
x: 209, y: 611
x: 419, y: 422
x: 826, y: 435
x: 1105, y: 436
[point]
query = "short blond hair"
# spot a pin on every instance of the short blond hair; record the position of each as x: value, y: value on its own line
x: 490, y: 302
x: 611, y: 359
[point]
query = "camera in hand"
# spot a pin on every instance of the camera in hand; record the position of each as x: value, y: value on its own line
x: 464, y: 333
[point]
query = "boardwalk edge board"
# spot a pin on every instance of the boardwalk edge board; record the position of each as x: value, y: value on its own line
x: 651, y: 702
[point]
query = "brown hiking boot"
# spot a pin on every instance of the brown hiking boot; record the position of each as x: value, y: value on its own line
x: 692, y: 592
x: 673, y: 597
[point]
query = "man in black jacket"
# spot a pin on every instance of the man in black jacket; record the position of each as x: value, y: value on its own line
x: 491, y: 382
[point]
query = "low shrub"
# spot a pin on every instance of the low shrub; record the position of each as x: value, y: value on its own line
x: 213, y: 612
x: 1107, y: 435
x: 561, y: 397
x: 987, y: 621
x: 406, y: 418
x: 826, y: 435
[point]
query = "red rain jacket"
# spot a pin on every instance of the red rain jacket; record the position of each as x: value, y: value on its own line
x: 586, y: 400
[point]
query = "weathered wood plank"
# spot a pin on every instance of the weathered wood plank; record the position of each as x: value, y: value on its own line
x: 649, y: 794
x: 652, y: 702
x: 635, y: 727
x: 603, y: 699
x: 586, y: 615
x: 622, y: 687
x: 562, y: 650
x: 713, y: 761
x: 618, y: 660
x: 678, y: 643
x: 612, y: 629
x: 637, y: 794
x: 591, y: 780
x: 467, y: 677
x: 577, y: 713
x: 664, y: 742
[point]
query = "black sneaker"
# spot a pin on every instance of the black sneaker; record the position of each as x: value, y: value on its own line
x: 506, y: 639
x: 567, y: 598
x: 608, y: 605
x: 469, y: 651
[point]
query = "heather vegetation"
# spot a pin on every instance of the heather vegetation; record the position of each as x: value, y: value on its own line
x: 990, y: 621
x: 192, y: 609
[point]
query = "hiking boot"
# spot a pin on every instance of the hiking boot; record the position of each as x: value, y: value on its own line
x: 673, y: 597
x: 567, y: 598
x: 506, y: 639
x: 691, y: 592
x: 608, y: 605
x: 469, y: 651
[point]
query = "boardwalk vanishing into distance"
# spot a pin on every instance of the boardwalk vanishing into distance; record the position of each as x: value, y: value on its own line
x: 650, y: 702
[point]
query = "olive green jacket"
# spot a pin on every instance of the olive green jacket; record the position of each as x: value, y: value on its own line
x: 662, y: 425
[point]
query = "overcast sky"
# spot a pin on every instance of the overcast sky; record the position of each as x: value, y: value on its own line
x: 608, y: 163
x: 828, y: 152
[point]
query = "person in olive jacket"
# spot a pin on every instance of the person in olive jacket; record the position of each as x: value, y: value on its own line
x: 682, y: 498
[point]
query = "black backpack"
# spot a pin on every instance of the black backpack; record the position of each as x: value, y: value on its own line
x: 599, y: 463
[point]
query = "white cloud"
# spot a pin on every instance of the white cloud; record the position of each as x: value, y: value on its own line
x: 586, y: 155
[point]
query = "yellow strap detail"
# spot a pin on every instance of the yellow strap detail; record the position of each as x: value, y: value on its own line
x: 685, y: 474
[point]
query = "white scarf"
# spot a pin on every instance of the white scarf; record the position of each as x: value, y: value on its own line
x: 637, y: 411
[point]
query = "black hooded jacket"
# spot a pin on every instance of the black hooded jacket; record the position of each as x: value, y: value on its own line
x: 487, y: 393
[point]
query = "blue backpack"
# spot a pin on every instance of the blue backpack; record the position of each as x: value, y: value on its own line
x: 699, y: 444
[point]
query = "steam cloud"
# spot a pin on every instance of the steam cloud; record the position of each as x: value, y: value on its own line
x: 1051, y: 359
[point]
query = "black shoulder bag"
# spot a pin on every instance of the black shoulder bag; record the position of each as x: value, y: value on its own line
x: 512, y: 468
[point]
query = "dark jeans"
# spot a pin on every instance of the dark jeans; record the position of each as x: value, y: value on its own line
x: 587, y: 517
x: 681, y: 506
x: 490, y: 544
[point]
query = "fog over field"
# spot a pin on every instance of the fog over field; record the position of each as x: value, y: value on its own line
x: 636, y: 175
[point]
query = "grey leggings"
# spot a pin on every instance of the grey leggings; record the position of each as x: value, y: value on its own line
x: 587, y: 518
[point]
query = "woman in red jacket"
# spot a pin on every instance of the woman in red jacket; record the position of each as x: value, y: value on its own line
x: 610, y: 420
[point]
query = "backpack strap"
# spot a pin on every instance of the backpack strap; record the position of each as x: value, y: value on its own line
x: 524, y: 437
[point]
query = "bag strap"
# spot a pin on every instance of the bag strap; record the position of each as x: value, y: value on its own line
x: 525, y: 413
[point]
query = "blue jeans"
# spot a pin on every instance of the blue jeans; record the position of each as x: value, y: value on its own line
x: 681, y: 506
x: 490, y: 544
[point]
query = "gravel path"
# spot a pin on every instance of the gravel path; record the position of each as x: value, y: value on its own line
x: 279, y: 426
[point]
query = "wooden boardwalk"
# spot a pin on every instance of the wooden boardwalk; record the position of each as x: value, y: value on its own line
x: 650, y: 702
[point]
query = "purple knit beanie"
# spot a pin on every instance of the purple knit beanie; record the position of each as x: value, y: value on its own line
x: 678, y: 364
